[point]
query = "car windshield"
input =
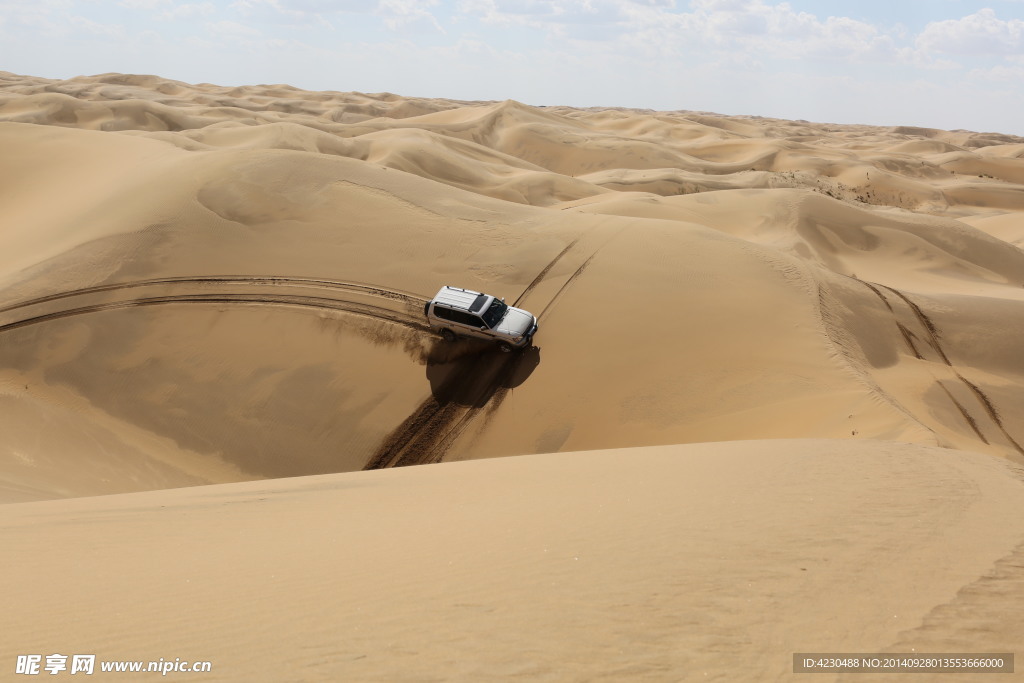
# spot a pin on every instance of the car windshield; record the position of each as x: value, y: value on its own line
x: 495, y: 312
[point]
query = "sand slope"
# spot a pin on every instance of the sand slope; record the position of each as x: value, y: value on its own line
x: 699, y: 562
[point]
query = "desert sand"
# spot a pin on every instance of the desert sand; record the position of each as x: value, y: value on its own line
x: 776, y: 402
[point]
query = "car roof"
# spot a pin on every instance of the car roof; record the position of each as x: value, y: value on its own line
x: 456, y: 297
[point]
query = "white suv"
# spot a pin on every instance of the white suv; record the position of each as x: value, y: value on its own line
x: 465, y: 313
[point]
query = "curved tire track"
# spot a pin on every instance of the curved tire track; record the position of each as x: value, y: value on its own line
x: 355, y: 287
x: 240, y: 299
x: 429, y: 431
x: 438, y: 421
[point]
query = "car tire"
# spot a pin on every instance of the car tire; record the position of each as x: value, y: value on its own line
x: 447, y: 335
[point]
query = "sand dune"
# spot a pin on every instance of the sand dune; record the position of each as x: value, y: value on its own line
x: 703, y: 561
x: 222, y: 285
x: 699, y: 278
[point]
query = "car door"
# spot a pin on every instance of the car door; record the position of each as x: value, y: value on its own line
x: 443, y: 317
x: 469, y: 325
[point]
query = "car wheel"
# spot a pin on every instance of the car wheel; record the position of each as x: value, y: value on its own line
x: 447, y: 335
x: 505, y: 347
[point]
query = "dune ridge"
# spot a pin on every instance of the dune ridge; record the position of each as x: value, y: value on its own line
x: 687, y: 151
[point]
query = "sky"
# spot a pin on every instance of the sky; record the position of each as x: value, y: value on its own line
x: 935, y: 63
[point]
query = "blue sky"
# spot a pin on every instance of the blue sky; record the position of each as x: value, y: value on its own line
x: 937, y: 63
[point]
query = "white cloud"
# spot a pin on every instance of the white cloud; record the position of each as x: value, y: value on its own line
x: 399, y: 13
x: 719, y: 5
x: 188, y: 11
x: 51, y: 20
x: 321, y: 6
x: 752, y: 26
x: 978, y: 34
x: 96, y: 28
x: 298, y: 12
x: 145, y: 4
x: 42, y: 15
x: 232, y: 29
x: 396, y: 14
x: 1000, y: 74
x: 553, y: 14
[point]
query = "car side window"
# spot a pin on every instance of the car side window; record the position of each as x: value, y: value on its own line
x: 443, y: 313
x: 466, y: 319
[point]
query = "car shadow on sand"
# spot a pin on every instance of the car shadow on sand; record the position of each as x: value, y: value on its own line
x: 466, y: 378
x: 469, y: 373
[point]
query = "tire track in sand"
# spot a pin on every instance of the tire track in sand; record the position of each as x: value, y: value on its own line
x: 239, y: 299
x: 543, y: 273
x: 931, y: 335
x: 475, y: 382
x: 478, y: 382
x: 425, y: 436
x: 246, y: 280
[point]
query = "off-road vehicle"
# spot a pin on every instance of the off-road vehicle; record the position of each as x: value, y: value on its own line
x: 465, y: 313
